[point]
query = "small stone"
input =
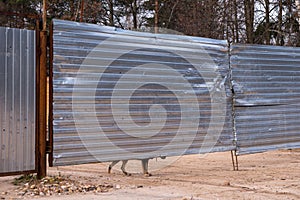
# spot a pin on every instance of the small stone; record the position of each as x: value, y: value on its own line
x: 32, y: 187
x: 42, y: 194
x: 22, y: 193
x: 92, y: 188
x: 51, y: 180
x: 118, y: 186
x: 36, y: 191
x: 227, y: 183
x: 63, y: 187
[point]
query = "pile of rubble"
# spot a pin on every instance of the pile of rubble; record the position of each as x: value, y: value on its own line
x: 58, y: 185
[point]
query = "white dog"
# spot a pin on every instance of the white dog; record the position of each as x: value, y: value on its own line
x: 145, y: 163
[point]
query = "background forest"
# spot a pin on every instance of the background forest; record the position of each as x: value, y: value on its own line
x: 274, y: 22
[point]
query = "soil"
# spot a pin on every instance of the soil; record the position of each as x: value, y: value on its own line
x: 271, y: 175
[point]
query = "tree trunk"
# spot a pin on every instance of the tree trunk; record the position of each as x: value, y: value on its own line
x: 81, y: 10
x: 279, y: 34
x: 134, y: 14
x: 290, y: 11
x: 249, y: 19
x: 236, y: 21
x: 156, y: 17
x: 72, y: 10
x: 267, y: 30
x: 111, y: 12
x: 226, y: 21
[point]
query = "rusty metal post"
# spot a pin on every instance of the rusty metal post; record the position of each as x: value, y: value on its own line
x: 42, y: 115
x: 44, y: 15
x: 42, y: 99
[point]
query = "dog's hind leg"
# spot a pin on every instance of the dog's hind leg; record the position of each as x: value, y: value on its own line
x: 111, y: 165
x: 124, y: 162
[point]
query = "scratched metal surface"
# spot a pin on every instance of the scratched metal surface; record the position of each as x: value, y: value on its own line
x: 266, y: 83
x: 17, y: 100
x: 131, y: 95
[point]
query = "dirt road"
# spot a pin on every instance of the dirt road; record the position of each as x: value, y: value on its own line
x: 272, y: 175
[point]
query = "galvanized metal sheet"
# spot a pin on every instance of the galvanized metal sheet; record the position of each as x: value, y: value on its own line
x: 131, y: 95
x: 17, y: 100
x: 266, y: 82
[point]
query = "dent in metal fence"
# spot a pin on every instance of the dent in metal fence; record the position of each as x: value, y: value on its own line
x: 17, y: 100
x: 266, y: 84
x: 126, y: 95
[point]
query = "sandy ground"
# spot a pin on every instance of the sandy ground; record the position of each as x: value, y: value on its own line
x: 272, y: 175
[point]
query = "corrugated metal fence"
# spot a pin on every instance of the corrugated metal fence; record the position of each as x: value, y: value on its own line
x: 266, y: 83
x: 127, y: 95
x: 17, y: 100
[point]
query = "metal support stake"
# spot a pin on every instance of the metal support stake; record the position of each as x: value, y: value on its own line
x: 234, y: 159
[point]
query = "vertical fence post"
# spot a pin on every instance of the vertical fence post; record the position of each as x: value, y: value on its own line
x: 50, y: 98
x: 42, y: 99
x: 42, y: 136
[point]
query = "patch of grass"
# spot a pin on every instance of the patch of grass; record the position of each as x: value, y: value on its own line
x: 26, y: 178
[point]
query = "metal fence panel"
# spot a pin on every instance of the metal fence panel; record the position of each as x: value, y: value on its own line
x: 266, y: 83
x: 129, y: 95
x: 17, y: 100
